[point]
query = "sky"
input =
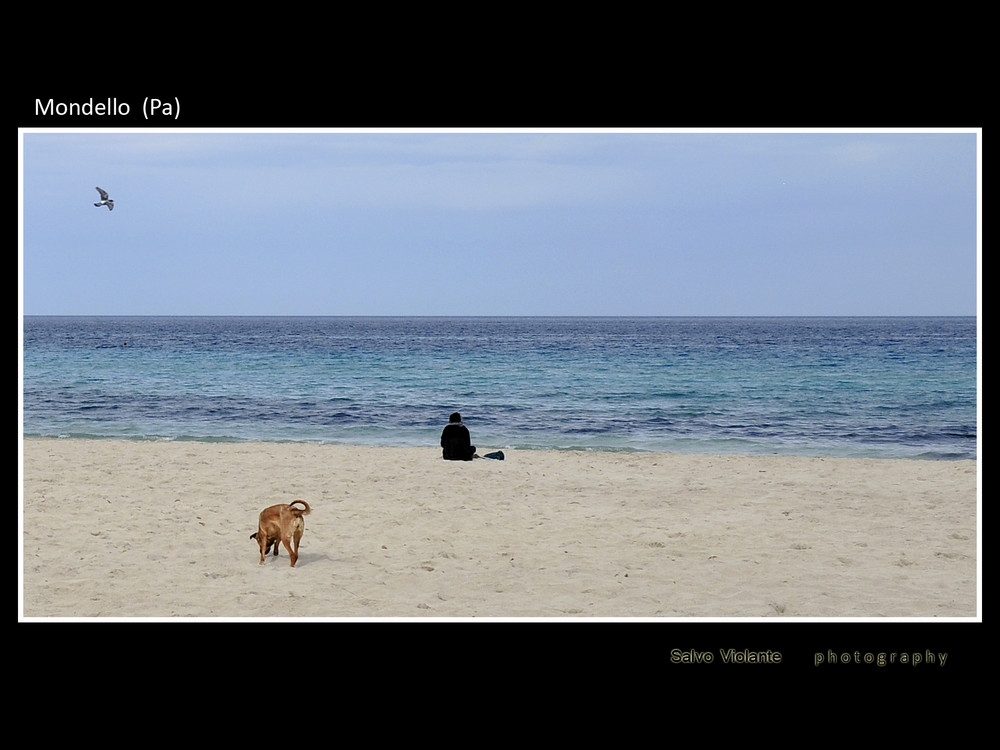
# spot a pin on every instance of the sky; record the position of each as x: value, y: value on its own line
x: 500, y: 223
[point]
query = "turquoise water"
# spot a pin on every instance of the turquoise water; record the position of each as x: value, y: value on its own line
x: 880, y: 387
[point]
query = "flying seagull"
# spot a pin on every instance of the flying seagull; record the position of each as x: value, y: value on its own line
x: 105, y: 200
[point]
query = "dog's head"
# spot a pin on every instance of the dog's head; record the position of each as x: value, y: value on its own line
x: 270, y: 542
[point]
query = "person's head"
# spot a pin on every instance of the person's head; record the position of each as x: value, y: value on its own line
x: 455, y: 417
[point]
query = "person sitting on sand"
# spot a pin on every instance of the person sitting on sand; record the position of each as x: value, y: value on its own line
x: 456, y: 442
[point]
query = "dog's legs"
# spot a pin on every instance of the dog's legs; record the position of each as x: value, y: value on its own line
x: 293, y: 551
x: 265, y: 543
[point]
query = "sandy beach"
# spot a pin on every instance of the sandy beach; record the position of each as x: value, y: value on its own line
x: 141, y: 529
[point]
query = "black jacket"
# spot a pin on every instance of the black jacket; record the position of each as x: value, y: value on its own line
x: 456, y: 443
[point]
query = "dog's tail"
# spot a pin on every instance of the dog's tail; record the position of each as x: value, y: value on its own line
x: 299, y: 511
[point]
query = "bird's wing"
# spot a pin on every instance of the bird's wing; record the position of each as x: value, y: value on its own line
x: 104, y: 195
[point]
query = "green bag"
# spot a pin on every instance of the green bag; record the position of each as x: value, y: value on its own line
x: 496, y: 454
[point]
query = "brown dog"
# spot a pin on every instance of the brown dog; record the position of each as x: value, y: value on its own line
x: 281, y: 523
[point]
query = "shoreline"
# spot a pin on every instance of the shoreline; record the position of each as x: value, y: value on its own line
x: 119, y: 528
x: 431, y: 437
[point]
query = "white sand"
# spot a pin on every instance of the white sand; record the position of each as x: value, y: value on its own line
x: 121, y: 529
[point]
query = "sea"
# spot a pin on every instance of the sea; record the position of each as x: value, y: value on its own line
x: 878, y: 387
